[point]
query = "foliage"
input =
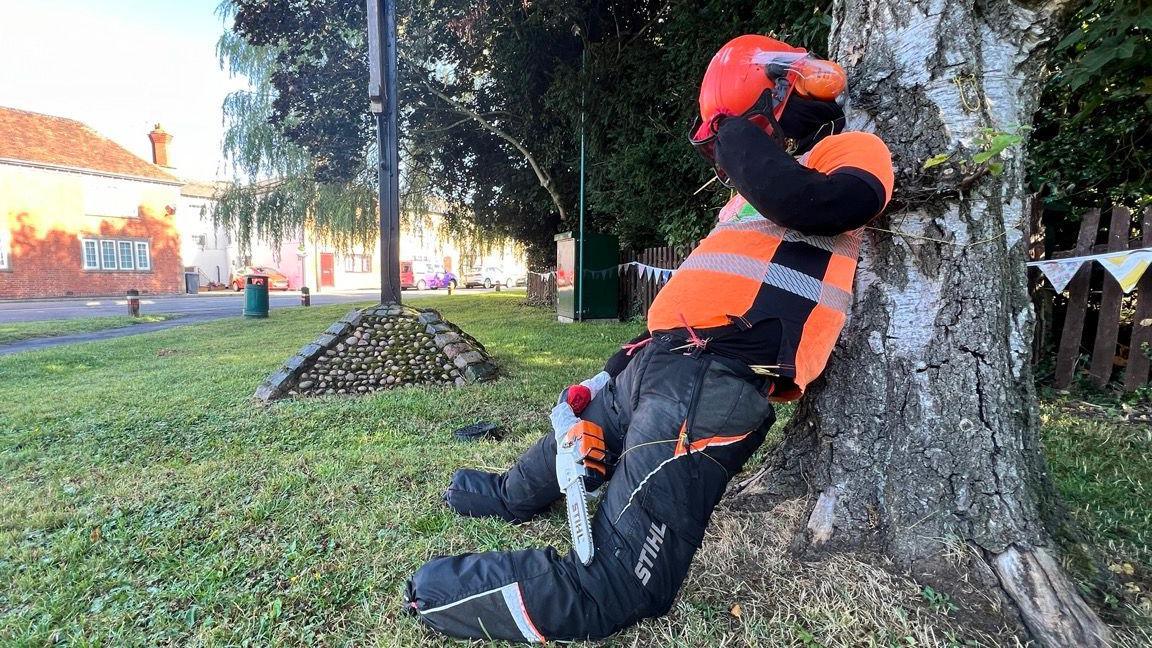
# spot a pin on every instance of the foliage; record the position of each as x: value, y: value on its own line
x: 990, y: 144
x: 1093, y: 137
x: 938, y: 600
x: 625, y: 73
x: 641, y: 83
x: 289, y: 177
x: 525, y: 69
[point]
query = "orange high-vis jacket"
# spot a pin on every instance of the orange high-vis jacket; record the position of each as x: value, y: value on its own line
x: 750, y: 269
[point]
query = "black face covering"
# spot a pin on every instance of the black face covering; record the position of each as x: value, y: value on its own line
x: 807, y: 121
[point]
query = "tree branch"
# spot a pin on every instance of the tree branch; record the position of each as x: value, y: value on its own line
x: 427, y: 131
x: 541, y: 174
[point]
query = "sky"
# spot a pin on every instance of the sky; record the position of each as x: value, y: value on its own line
x: 122, y: 66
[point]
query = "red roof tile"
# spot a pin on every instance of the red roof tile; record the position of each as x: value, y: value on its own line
x: 56, y: 141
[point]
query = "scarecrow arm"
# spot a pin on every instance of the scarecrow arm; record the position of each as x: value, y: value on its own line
x: 789, y: 193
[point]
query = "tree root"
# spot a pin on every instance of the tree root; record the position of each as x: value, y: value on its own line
x: 1049, y: 604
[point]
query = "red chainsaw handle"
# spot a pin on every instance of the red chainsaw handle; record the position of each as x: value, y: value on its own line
x: 578, y: 397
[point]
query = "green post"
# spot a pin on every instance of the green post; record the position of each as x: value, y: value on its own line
x: 256, y: 296
x: 580, y: 235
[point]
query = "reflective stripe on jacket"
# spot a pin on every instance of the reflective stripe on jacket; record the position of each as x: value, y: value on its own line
x: 749, y: 269
x: 752, y: 270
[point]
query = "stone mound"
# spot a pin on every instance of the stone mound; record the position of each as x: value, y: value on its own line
x: 381, y: 347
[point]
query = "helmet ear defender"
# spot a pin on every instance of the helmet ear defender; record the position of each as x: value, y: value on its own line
x: 819, y: 79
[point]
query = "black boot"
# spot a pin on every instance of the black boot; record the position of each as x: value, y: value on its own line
x: 474, y: 493
x: 526, y: 490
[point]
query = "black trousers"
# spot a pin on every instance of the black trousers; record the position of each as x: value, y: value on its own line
x: 678, y: 428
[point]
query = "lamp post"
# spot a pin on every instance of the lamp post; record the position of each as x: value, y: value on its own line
x: 580, y: 241
x: 382, y: 92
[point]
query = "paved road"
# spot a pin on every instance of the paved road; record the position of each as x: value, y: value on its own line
x: 203, y: 306
x: 190, y: 308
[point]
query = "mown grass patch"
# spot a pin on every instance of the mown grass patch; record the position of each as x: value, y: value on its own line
x: 145, y: 500
x: 1101, y: 457
x: 16, y: 331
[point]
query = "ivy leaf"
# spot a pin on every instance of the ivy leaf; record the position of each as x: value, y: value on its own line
x: 1004, y: 140
x: 996, y: 147
x: 983, y: 156
x: 996, y: 168
x: 936, y: 160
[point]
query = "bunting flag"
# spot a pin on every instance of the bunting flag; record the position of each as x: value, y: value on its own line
x: 600, y: 274
x: 1128, y: 268
x: 1060, y: 272
x: 646, y: 271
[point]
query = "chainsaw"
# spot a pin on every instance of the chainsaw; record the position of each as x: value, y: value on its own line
x: 572, y: 467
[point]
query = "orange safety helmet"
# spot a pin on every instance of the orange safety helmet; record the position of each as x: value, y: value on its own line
x: 754, y: 76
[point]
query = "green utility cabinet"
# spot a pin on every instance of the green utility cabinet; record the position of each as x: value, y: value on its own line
x: 600, y: 277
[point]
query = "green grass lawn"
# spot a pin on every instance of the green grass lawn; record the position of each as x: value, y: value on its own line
x: 15, y: 331
x: 144, y: 500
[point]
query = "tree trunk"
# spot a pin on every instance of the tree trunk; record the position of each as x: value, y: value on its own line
x: 921, y: 443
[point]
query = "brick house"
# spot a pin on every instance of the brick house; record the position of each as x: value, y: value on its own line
x: 80, y: 215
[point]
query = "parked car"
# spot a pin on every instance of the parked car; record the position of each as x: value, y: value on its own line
x: 442, y: 279
x: 423, y: 276
x: 489, y: 276
x: 276, y: 279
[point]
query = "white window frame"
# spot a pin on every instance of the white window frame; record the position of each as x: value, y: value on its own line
x: 147, y: 258
x: 109, y: 262
x: 95, y: 265
x: 131, y: 265
x: 359, y: 263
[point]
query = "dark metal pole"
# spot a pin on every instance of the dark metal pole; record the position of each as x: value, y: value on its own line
x: 582, y: 274
x: 383, y: 93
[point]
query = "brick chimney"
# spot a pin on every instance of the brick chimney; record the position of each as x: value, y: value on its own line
x: 160, y: 139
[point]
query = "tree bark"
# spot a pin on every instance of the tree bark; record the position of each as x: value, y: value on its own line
x: 921, y: 443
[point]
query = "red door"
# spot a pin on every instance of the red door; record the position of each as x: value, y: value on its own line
x: 327, y: 270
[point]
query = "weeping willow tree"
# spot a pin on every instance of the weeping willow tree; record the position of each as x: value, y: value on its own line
x: 279, y: 188
x: 301, y: 142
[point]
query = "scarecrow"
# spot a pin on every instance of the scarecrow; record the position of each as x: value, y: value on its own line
x: 750, y: 318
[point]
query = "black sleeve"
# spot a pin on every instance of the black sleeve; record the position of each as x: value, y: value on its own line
x: 621, y: 358
x: 789, y: 193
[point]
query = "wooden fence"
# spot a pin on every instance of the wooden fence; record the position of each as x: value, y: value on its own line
x: 637, y: 289
x: 1094, y: 297
x: 542, y: 289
